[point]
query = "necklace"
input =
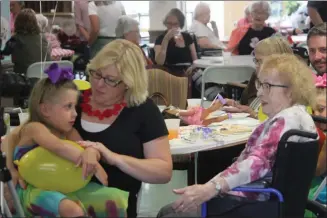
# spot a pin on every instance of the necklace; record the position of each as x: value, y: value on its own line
x: 87, y: 108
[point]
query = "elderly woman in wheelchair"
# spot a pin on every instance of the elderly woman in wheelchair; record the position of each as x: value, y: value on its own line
x: 285, y: 86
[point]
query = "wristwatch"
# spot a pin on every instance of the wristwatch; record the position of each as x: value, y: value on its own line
x: 217, y: 186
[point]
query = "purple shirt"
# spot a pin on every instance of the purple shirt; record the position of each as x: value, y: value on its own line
x: 82, y: 17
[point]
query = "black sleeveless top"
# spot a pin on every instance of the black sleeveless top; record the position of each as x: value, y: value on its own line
x: 133, y: 127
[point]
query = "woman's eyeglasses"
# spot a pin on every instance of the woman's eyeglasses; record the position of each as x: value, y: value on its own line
x: 96, y: 75
x: 267, y: 86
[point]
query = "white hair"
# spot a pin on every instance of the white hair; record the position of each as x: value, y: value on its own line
x: 199, y: 8
x: 262, y: 5
x: 247, y: 10
x: 42, y: 21
x: 125, y: 24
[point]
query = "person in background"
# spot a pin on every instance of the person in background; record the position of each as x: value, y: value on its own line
x: 15, y: 7
x: 316, y: 41
x: 27, y: 45
x: 285, y: 85
x: 317, y: 12
x: 82, y: 20
x: 244, y: 39
x: 247, y: 19
x: 57, y: 52
x: 103, y: 19
x: 128, y: 28
x: 250, y: 102
x: 174, y: 46
x: 207, y: 38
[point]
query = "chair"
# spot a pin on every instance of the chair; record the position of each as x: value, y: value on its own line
x: 225, y: 74
x: 36, y: 70
x: 173, y: 88
x: 292, y: 174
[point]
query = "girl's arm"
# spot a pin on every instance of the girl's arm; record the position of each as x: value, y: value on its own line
x: 9, y: 144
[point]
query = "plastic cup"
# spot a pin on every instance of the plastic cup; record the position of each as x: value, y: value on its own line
x: 227, y: 55
x: 23, y: 117
x: 194, y: 102
x: 173, y: 127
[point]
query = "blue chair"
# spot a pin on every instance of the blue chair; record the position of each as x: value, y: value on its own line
x: 288, y: 187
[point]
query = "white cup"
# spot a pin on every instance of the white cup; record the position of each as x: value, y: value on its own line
x: 193, y: 102
x: 23, y: 117
x: 173, y: 127
x: 227, y: 55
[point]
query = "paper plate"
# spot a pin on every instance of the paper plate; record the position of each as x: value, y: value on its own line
x: 82, y: 85
x: 239, y: 115
x: 162, y: 108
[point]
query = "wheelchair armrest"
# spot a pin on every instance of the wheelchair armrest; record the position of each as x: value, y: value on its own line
x: 318, y: 209
x: 261, y: 184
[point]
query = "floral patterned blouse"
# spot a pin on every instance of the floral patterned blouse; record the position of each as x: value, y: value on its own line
x: 258, y: 157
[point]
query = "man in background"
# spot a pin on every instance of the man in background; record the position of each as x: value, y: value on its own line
x: 317, y: 47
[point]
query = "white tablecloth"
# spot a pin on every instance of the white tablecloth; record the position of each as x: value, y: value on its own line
x: 180, y: 146
x: 300, y: 38
x: 237, y: 60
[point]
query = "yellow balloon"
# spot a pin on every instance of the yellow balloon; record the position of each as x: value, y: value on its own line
x: 82, y: 85
x: 45, y: 170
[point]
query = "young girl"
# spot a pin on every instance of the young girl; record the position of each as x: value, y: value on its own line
x: 52, y: 115
x: 321, y: 165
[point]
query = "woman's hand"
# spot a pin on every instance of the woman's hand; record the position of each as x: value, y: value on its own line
x: 17, y: 179
x: 110, y: 156
x: 193, y: 196
x: 171, y: 33
x: 237, y: 108
x: 89, y: 161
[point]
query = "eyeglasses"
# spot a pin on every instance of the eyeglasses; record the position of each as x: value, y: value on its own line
x: 267, y: 86
x: 96, y: 75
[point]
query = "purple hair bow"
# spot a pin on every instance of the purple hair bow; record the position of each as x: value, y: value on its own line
x: 56, y: 74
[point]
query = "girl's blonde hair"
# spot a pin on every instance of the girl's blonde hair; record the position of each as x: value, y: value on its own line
x: 45, y: 91
x: 273, y: 45
x: 295, y: 74
x: 129, y: 61
x: 321, y: 93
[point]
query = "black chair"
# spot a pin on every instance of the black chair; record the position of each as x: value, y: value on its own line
x: 204, y: 52
x: 292, y: 174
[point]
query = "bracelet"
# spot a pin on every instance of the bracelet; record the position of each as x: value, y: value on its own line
x: 221, y: 99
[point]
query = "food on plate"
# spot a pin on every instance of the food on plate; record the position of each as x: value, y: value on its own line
x: 234, y: 129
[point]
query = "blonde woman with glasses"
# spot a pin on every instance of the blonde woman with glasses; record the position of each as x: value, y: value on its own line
x: 125, y: 126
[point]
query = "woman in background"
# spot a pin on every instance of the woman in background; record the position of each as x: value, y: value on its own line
x: 82, y: 20
x: 103, y: 19
x: 244, y: 39
x: 128, y: 28
x: 15, y: 7
x: 174, y: 46
x: 27, y: 46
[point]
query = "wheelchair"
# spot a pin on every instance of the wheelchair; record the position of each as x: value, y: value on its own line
x: 288, y: 187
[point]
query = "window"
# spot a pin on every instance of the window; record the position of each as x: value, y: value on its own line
x: 139, y: 10
x: 49, y: 6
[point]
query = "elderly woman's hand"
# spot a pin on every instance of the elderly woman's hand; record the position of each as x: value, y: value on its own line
x: 193, y: 196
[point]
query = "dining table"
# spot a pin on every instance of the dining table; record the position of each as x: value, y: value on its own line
x: 234, y: 60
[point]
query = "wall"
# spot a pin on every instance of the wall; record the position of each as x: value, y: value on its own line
x: 233, y: 11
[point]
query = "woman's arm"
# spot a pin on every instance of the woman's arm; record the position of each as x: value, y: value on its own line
x: 256, y: 164
x: 161, y: 52
x: 95, y: 28
x: 193, y: 52
x: 156, y: 168
x: 321, y: 165
x: 205, y: 43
